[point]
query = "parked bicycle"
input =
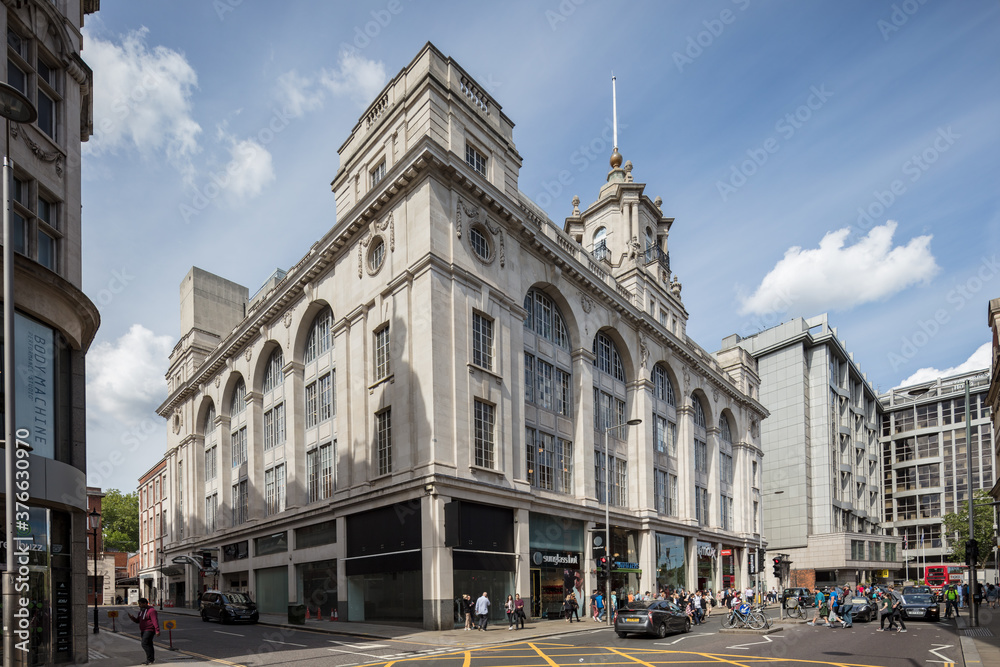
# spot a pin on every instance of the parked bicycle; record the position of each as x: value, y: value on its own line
x: 747, y: 616
x: 793, y: 609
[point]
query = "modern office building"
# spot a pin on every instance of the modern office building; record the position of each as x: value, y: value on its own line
x: 54, y: 321
x: 432, y: 401
x: 925, y: 471
x: 821, y: 493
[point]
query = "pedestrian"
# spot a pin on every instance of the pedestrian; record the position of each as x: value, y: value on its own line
x: 834, y: 617
x: 599, y: 601
x: 575, y: 606
x: 991, y: 596
x: 884, y: 612
x: 518, y: 611
x: 964, y: 597
x: 896, y: 600
x: 845, y: 608
x: 467, y: 608
x: 148, y: 626
x: 593, y: 604
x: 820, y: 601
x: 508, y: 608
x: 483, y: 611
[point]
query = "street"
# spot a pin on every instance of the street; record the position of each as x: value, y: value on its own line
x: 925, y: 643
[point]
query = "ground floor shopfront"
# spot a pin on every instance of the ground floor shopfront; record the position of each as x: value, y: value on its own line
x: 413, y: 561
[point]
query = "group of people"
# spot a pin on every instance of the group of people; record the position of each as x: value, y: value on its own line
x: 477, y: 614
x: 840, y: 607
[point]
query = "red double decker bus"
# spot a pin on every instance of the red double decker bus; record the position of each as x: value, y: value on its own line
x: 939, y: 576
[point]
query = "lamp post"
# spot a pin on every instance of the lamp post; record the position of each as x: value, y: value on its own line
x: 607, y: 514
x: 14, y: 106
x: 95, y: 525
x: 973, y: 579
x: 159, y: 593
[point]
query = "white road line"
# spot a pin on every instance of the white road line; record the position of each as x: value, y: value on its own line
x: 700, y: 634
x: 275, y: 641
x: 940, y: 647
x: 348, y: 645
x: 231, y: 634
x: 370, y: 655
x: 767, y: 640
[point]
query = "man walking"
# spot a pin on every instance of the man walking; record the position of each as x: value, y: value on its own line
x: 148, y: 626
x: 896, y: 602
x: 483, y: 611
x: 845, y: 608
x: 820, y: 601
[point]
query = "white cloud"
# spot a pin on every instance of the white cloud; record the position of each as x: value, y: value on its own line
x: 836, y: 276
x: 251, y: 168
x: 298, y: 94
x: 979, y: 360
x: 142, y: 99
x: 355, y: 77
x: 125, y: 385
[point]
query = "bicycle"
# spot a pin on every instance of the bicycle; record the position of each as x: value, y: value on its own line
x: 793, y: 609
x: 746, y: 616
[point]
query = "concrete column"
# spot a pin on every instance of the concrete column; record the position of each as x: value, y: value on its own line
x: 691, y: 547
x: 522, y: 546
x: 647, y: 561
x: 438, y: 578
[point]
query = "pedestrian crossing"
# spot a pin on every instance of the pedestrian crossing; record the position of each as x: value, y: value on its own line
x: 94, y: 654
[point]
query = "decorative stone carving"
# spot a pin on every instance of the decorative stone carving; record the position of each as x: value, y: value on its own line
x: 471, y: 212
x: 628, y: 171
x: 36, y: 150
x: 248, y: 355
x: 643, y: 350
x: 587, y: 303
x: 658, y: 203
x: 675, y: 287
x: 287, y: 319
x: 494, y: 229
x: 576, y: 205
x: 177, y: 421
x: 715, y: 395
x: 218, y: 381
x: 687, y: 380
x: 376, y: 230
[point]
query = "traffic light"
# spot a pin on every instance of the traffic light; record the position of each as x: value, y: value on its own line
x: 604, y: 566
x: 599, y: 553
x: 206, y: 559
x: 971, y: 552
x: 777, y: 566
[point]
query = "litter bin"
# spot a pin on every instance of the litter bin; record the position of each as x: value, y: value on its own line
x: 296, y: 614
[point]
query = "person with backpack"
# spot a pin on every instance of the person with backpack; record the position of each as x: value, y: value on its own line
x: 820, y: 601
x: 845, y: 608
x: 950, y: 601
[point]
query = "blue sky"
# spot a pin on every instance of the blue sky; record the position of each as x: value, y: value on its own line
x: 817, y: 156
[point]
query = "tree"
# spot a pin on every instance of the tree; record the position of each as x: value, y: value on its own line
x: 120, y: 521
x: 956, y: 525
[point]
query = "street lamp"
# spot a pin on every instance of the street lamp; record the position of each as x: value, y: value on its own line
x: 160, y: 593
x: 14, y: 106
x: 607, y: 514
x: 95, y: 524
x: 973, y: 579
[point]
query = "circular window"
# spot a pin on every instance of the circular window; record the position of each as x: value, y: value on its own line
x: 480, y: 243
x: 376, y: 254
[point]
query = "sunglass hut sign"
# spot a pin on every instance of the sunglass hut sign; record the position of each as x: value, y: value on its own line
x: 555, y: 558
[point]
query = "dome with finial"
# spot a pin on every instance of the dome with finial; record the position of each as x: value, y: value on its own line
x: 616, y: 159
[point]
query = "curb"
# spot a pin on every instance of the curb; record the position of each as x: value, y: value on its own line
x: 970, y: 654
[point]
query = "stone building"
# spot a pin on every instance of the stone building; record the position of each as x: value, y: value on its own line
x: 54, y: 322
x: 821, y: 490
x: 418, y: 408
x: 924, y: 462
x: 993, y: 395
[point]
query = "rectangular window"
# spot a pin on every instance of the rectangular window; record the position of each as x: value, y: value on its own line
x: 382, y: 353
x: 211, y: 462
x: 378, y: 173
x: 46, y: 114
x: 475, y: 159
x: 620, y: 489
x: 700, y: 456
x: 46, y: 250
x: 239, y: 446
x: 211, y: 512
x: 701, y: 507
x: 482, y: 341
x: 326, y: 477
x: 240, y: 508
x: 485, y: 416
x: 312, y: 475
x: 544, y: 384
x: 529, y: 378
x: 279, y: 424
x: 274, y: 489
x: 726, y: 508
x: 726, y: 467
x: 564, y: 394
x: 312, y: 405
x: 268, y: 430
x: 660, y: 490
x: 660, y: 434
x: 383, y: 441
x: 326, y: 397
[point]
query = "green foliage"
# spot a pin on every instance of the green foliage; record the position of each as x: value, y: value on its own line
x: 120, y: 521
x: 958, y: 523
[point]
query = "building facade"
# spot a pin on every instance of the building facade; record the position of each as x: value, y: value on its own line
x: 925, y: 472
x: 154, y: 507
x: 821, y: 493
x: 432, y: 401
x: 993, y: 395
x: 54, y: 321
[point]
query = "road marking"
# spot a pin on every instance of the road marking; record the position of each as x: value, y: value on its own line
x: 349, y: 645
x: 370, y: 655
x: 231, y: 634
x: 700, y: 634
x: 767, y: 640
x: 944, y: 658
x: 275, y: 641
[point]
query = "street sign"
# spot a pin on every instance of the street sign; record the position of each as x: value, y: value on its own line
x: 170, y: 625
x: 112, y: 614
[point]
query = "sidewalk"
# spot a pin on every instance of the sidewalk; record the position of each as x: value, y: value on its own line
x: 980, y: 645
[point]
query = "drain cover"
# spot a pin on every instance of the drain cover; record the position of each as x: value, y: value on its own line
x: 977, y: 632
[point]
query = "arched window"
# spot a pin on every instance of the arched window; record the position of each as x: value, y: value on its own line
x: 273, y: 373
x: 699, y: 413
x: 545, y: 319
x: 320, y: 335
x: 239, y: 402
x: 600, y: 236
x: 606, y: 357
x: 209, y: 428
x: 600, y: 249
x: 725, y: 434
x: 663, y: 386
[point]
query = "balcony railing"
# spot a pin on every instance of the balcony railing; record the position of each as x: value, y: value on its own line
x: 601, y: 252
x: 655, y: 254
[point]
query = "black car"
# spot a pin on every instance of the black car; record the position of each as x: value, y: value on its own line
x: 921, y: 605
x: 806, y: 598
x: 655, y: 617
x: 227, y: 607
x: 864, y: 610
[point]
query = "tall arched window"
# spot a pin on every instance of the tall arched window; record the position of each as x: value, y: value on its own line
x: 320, y: 335
x: 238, y: 453
x: 725, y: 473
x: 663, y: 386
x: 239, y: 400
x: 665, y: 468
x: 548, y: 397
x: 701, y: 504
x: 609, y: 412
x: 211, y: 470
x: 606, y: 357
x: 273, y: 401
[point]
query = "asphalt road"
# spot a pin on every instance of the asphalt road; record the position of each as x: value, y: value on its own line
x: 930, y: 644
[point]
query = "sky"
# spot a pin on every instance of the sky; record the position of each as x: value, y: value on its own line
x: 834, y: 156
